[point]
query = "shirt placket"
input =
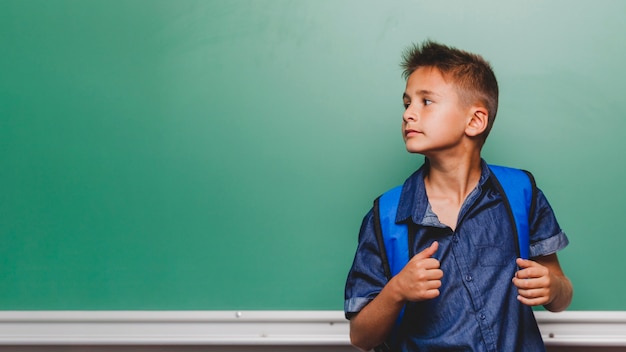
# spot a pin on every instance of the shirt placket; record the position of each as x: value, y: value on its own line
x: 462, y: 252
x: 464, y: 257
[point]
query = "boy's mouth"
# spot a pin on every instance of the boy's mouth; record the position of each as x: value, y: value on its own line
x: 410, y: 132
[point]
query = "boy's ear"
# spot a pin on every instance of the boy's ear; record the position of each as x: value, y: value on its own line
x: 478, y: 121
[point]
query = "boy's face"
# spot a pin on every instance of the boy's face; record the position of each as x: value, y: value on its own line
x: 434, y: 119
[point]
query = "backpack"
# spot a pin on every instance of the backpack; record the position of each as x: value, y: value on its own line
x: 518, y: 190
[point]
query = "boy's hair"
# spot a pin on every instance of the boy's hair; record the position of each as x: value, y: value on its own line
x: 470, y: 73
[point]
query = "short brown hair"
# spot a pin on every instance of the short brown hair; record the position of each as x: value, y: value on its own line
x: 472, y: 74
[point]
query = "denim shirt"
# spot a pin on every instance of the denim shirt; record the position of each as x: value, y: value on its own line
x: 477, y: 309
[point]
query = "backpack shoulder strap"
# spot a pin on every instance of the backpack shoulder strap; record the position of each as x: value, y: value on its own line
x: 518, y: 189
x: 393, y: 239
x: 394, y: 236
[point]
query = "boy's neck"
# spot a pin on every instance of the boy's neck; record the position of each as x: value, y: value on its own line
x: 453, y: 179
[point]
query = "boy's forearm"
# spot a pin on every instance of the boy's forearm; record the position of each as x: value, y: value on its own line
x: 563, y: 295
x: 371, y: 326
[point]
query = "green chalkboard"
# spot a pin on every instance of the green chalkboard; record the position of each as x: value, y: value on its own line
x: 221, y: 154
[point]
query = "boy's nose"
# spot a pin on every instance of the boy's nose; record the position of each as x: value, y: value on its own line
x: 409, y: 115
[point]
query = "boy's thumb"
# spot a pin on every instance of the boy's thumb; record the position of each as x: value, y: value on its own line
x: 428, y: 252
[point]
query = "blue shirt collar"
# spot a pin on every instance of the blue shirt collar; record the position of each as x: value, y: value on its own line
x: 414, y: 201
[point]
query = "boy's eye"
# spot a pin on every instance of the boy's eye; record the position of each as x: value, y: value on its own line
x: 427, y: 101
x: 406, y: 105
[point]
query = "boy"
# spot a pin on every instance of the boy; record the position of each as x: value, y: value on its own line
x: 464, y: 289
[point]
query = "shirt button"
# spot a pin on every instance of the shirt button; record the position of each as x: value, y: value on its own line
x: 468, y: 278
x: 483, y: 317
x: 455, y: 239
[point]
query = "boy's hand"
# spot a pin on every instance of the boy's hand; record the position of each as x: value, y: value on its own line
x: 534, y: 282
x: 420, y: 278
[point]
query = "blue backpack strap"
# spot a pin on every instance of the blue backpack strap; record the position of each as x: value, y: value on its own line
x: 394, y: 239
x: 518, y: 188
x: 395, y: 236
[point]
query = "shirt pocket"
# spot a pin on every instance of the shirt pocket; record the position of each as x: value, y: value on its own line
x: 493, y: 256
x: 491, y: 234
